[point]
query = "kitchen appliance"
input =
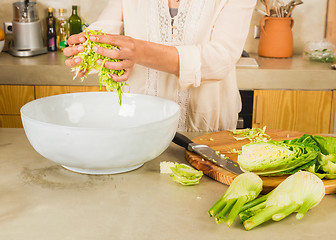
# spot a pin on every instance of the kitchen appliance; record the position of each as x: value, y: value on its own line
x: 207, y: 153
x: 27, y: 33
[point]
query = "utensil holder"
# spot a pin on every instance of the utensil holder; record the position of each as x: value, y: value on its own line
x: 276, y: 37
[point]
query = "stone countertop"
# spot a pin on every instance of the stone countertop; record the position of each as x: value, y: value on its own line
x: 290, y: 73
x: 41, y: 200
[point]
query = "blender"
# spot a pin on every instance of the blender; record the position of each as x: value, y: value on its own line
x: 27, y: 33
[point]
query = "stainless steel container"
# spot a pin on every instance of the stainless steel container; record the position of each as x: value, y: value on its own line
x: 27, y: 33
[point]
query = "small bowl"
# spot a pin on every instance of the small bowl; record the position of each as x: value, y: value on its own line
x: 2, y: 44
x: 91, y: 133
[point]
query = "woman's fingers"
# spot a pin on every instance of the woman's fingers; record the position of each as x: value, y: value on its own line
x: 114, y: 53
x: 123, y: 77
x: 115, y: 40
x: 71, y: 51
x: 81, y: 73
x: 73, y: 62
x: 77, y: 39
x: 116, y: 65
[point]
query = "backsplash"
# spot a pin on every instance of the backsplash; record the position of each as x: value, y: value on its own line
x: 309, y: 18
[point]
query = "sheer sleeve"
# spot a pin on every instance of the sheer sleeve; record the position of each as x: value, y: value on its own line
x: 111, y: 19
x: 214, y: 59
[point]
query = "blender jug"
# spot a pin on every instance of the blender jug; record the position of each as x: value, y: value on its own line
x: 27, y: 33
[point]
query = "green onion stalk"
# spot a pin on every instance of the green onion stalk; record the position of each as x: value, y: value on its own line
x: 89, y: 62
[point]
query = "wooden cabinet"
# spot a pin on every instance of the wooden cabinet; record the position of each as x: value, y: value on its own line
x: 307, y: 111
x: 12, y: 98
x: 44, y: 91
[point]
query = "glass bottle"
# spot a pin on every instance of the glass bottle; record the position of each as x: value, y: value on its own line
x: 75, y: 22
x: 62, y: 29
x: 51, y: 31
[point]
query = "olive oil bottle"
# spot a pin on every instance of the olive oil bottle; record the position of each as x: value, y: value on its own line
x: 62, y: 29
x: 75, y: 22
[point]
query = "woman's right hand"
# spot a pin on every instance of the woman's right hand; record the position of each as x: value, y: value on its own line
x: 75, y: 47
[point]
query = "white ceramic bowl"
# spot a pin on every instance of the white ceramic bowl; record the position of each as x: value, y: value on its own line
x: 91, y: 133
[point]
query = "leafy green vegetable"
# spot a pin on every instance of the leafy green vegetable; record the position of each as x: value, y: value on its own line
x: 89, y: 62
x: 185, y: 175
x: 253, y: 134
x: 244, y: 188
x: 325, y: 167
x: 298, y: 193
x: 323, y: 55
x: 277, y: 157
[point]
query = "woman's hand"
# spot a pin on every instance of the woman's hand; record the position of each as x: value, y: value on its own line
x: 127, y: 53
x: 74, y: 48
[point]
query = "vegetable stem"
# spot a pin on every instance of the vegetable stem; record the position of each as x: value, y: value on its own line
x: 304, y: 209
x: 221, y: 215
x: 235, y: 210
x: 261, y: 217
x: 285, y: 211
x: 217, y: 207
x: 255, y: 202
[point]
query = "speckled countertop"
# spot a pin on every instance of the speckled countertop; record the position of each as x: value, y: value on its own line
x: 291, y: 73
x: 42, y: 201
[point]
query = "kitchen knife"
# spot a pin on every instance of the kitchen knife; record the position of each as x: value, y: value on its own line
x: 207, y: 153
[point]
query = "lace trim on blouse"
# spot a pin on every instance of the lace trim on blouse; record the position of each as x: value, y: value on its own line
x: 173, y: 31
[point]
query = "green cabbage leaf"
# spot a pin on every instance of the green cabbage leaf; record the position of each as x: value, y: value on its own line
x: 89, y: 63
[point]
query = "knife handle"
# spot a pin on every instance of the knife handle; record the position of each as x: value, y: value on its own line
x: 182, y: 140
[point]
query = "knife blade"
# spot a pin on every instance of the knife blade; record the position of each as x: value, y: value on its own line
x: 207, y: 153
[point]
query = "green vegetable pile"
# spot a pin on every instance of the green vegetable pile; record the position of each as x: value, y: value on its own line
x: 325, y: 165
x: 185, y: 175
x: 89, y: 62
x: 297, y: 193
x: 253, y: 134
x: 321, y: 55
x: 316, y: 154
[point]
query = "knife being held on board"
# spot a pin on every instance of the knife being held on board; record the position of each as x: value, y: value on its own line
x: 207, y: 153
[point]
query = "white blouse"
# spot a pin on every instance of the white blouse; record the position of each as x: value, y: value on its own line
x: 209, y: 36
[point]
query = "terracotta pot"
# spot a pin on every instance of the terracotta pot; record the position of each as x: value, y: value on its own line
x: 276, y: 37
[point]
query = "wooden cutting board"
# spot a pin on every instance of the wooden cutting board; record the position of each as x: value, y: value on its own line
x: 224, y: 142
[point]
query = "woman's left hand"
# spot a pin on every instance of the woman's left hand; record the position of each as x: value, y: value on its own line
x: 126, y: 53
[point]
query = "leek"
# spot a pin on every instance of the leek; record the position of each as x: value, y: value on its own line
x: 89, y: 63
x: 298, y: 193
x: 244, y: 188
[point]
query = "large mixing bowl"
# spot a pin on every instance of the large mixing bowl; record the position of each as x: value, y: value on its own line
x: 91, y: 133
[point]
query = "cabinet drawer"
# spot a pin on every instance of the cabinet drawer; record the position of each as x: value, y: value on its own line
x: 12, y: 98
x: 44, y: 91
x: 10, y: 121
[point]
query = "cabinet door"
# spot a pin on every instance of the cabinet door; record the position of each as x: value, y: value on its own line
x: 13, y: 97
x: 44, y: 91
x: 10, y: 121
x: 306, y: 111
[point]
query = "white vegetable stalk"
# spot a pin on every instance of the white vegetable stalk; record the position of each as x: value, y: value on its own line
x: 244, y: 188
x: 298, y: 193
